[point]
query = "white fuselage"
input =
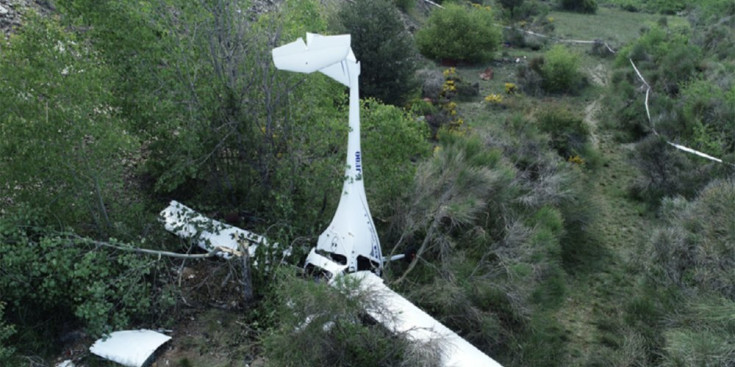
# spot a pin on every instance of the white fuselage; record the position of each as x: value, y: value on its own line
x: 350, y: 243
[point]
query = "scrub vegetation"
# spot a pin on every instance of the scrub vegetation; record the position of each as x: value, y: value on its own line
x: 507, y: 145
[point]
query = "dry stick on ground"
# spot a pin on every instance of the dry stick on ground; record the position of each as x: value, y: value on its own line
x: 213, y: 252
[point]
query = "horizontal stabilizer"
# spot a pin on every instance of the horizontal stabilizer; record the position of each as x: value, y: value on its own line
x: 317, y: 53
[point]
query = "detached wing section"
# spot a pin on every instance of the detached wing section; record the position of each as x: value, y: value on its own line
x: 405, y: 317
x: 208, y: 233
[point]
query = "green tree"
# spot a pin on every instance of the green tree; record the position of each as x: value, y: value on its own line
x: 511, y: 5
x: 569, y: 134
x: 52, y: 280
x: 6, y: 331
x: 459, y: 33
x: 560, y: 70
x: 322, y: 325
x: 64, y: 144
x: 393, y: 142
x: 384, y: 48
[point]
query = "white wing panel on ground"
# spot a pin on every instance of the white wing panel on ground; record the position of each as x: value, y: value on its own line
x: 405, y: 318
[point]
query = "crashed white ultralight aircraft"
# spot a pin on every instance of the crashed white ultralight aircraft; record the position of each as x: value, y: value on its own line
x: 349, y: 247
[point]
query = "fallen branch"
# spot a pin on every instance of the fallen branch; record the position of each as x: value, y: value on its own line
x: 177, y: 255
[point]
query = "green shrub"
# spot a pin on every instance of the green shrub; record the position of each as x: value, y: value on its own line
x: 529, y: 76
x: 666, y: 171
x: 51, y: 280
x: 703, y: 347
x: 405, y: 5
x: 6, y: 331
x: 582, y: 6
x: 511, y: 5
x: 560, y: 70
x: 705, y: 120
x: 569, y: 134
x: 666, y: 6
x: 694, y: 249
x: 384, y: 48
x: 66, y: 149
x: 321, y: 325
x: 393, y: 141
x: 459, y: 33
x: 710, y: 11
x: 688, y: 281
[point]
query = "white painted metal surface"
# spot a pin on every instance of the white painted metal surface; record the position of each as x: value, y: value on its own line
x: 209, y: 233
x: 351, y: 238
x: 405, y: 318
x: 350, y: 242
x: 129, y: 347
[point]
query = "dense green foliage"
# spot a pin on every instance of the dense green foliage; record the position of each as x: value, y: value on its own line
x: 393, y: 140
x: 65, y: 147
x: 6, y: 350
x: 687, y: 289
x: 384, y: 47
x: 55, y: 283
x: 560, y: 70
x: 569, y: 135
x: 495, y: 238
x: 534, y: 238
x: 556, y: 71
x: 123, y: 119
x: 691, y: 103
x: 323, y: 326
x: 459, y: 33
x: 676, y: 317
x: 511, y: 5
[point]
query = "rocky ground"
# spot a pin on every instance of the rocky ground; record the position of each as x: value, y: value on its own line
x: 13, y: 11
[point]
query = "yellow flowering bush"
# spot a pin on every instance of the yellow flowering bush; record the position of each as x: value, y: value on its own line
x: 457, y: 125
x: 451, y: 106
x: 494, y: 98
x: 576, y: 159
x: 480, y: 7
x: 510, y: 88
x: 450, y: 73
x: 449, y: 86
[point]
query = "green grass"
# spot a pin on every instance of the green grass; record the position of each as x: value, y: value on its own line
x: 612, y: 25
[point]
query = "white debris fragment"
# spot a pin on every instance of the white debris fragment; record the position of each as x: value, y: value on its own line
x: 130, y: 348
x: 209, y: 233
